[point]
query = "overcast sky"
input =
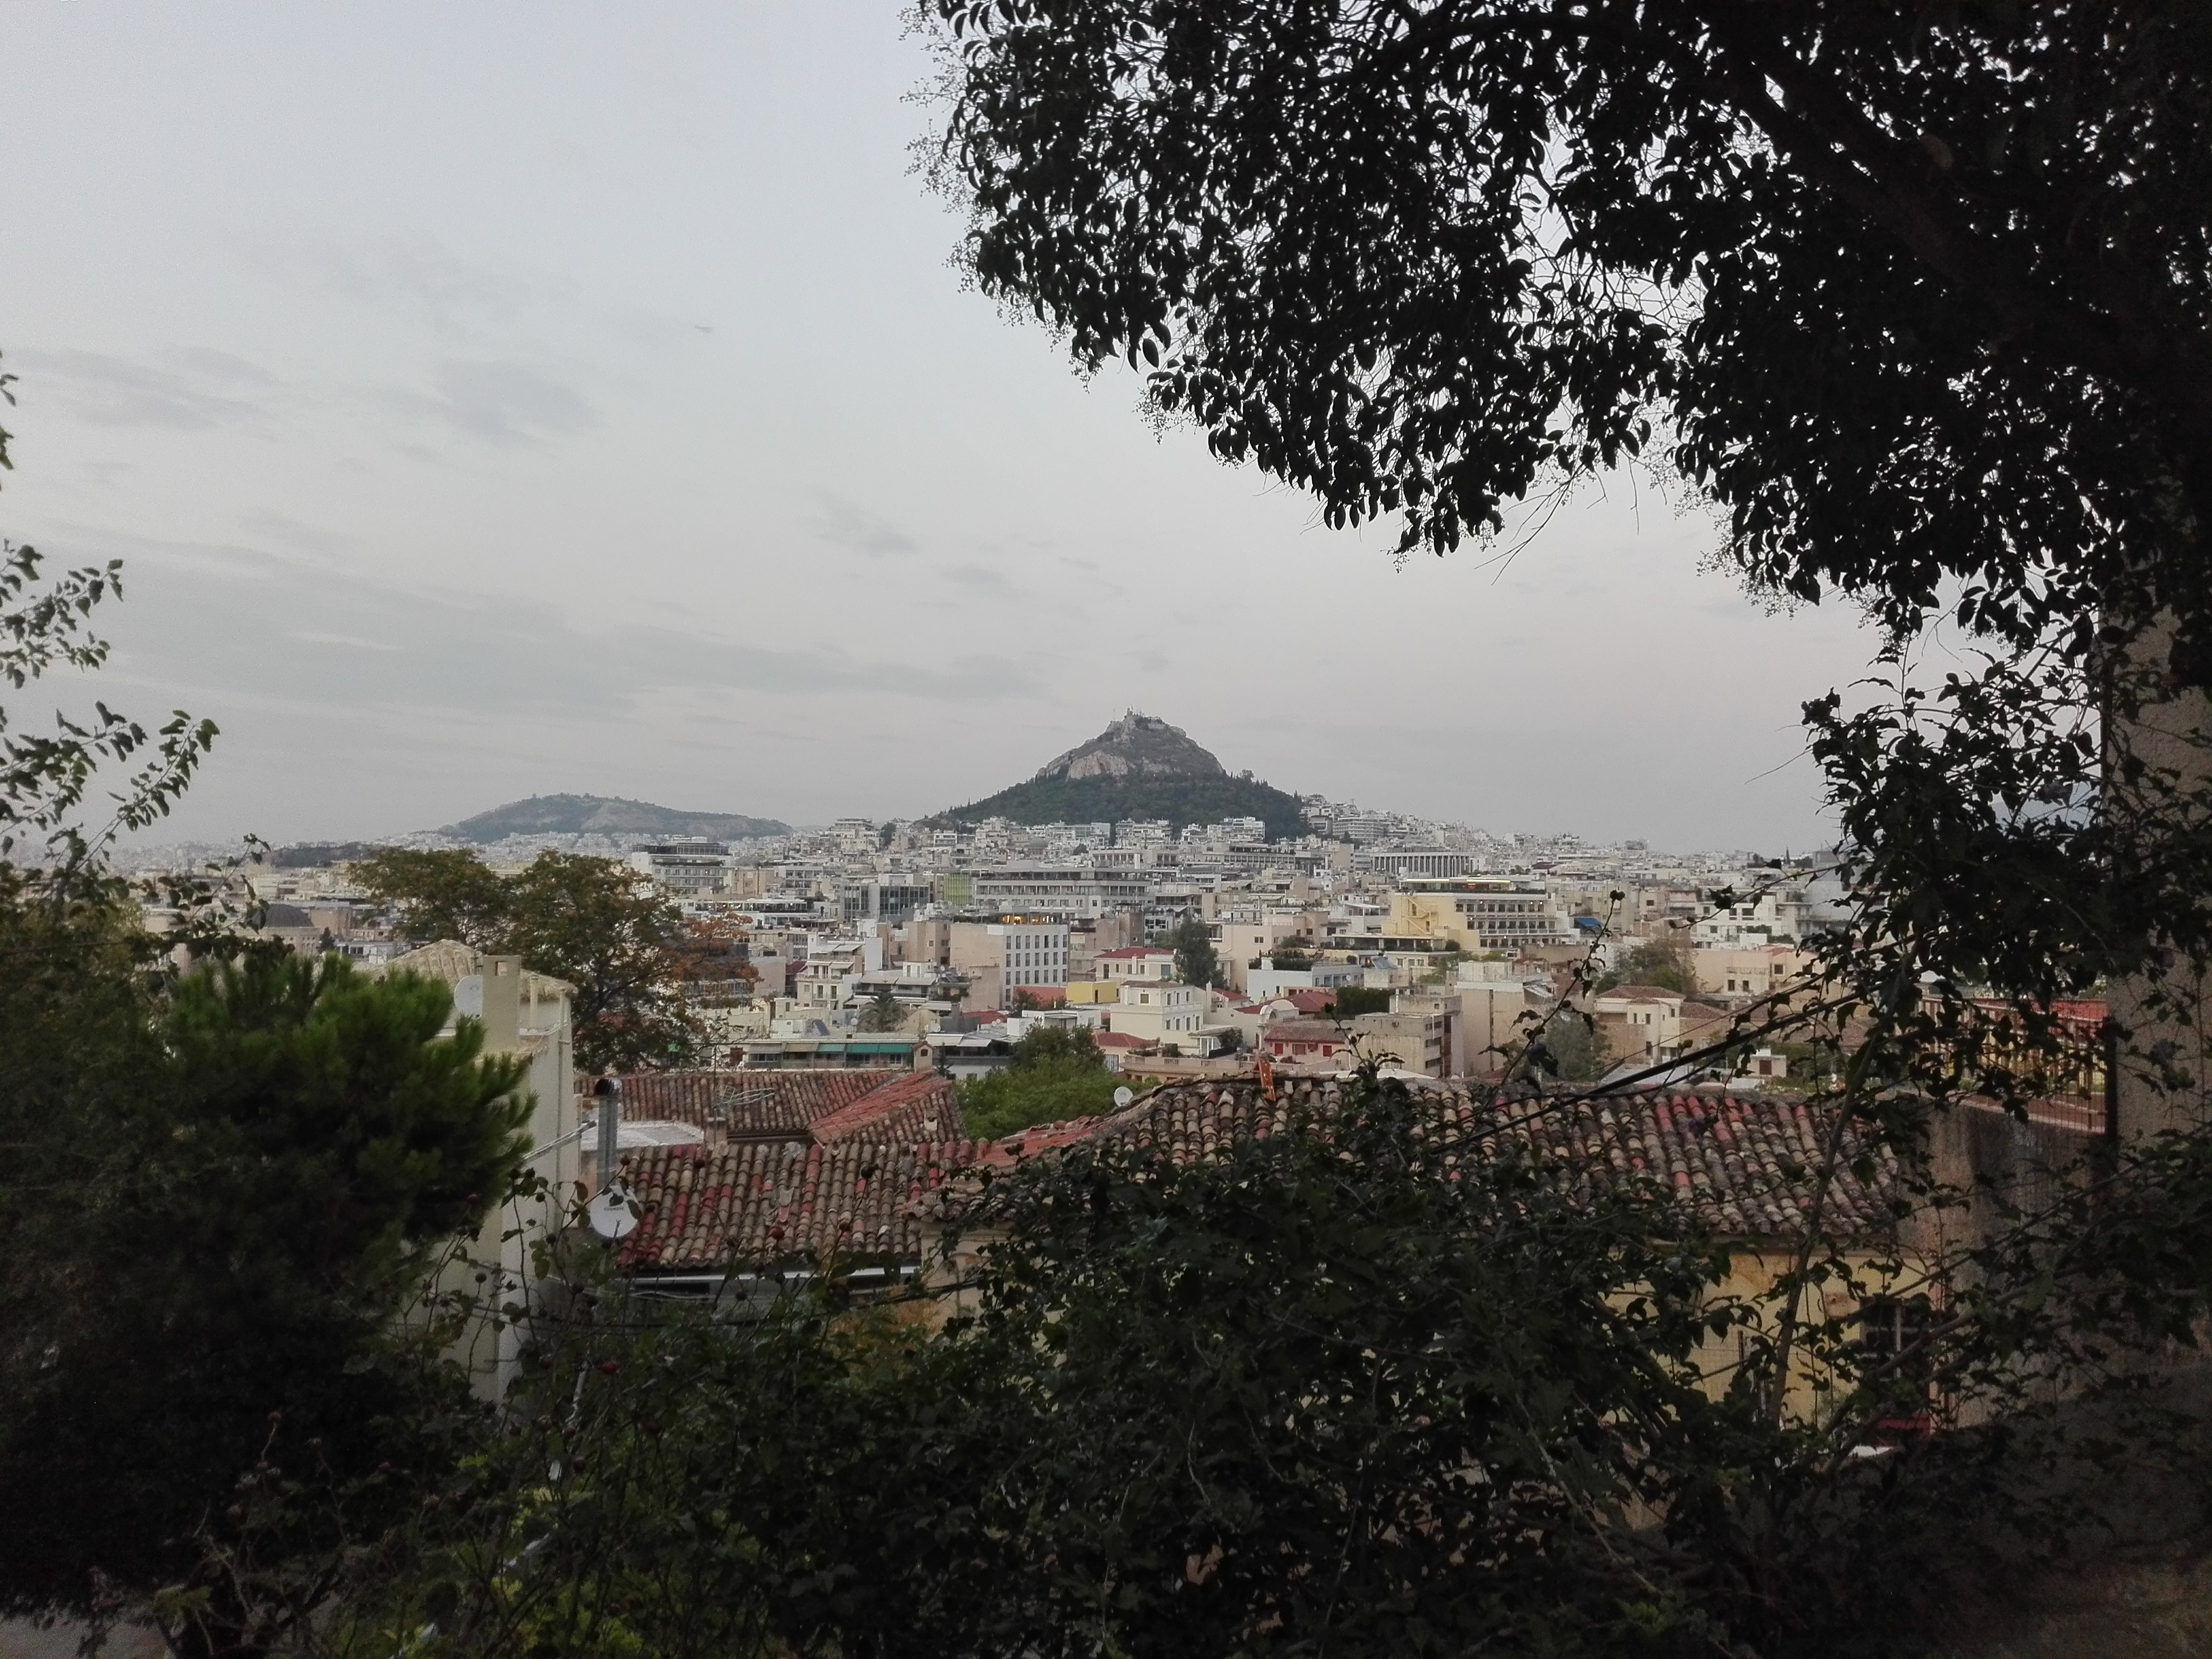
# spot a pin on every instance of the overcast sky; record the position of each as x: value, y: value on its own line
x: 502, y: 399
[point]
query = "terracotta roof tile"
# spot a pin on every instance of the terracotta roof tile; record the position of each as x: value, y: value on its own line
x: 1744, y: 1164
x: 755, y: 1102
x: 916, y: 1106
x: 760, y: 1201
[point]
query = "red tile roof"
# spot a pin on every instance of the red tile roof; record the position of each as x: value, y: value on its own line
x: 766, y: 1201
x: 915, y: 1106
x: 1744, y: 1164
x: 762, y: 1102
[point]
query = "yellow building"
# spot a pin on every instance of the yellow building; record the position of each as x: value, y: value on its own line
x: 1475, y: 913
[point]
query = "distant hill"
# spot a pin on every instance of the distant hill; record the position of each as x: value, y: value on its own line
x: 605, y: 815
x: 1138, y: 768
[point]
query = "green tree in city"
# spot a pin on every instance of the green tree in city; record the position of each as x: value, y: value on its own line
x: 1665, y: 960
x: 1056, y: 1074
x: 441, y: 893
x: 586, y: 921
x: 1353, y: 1000
x: 883, y: 1012
x: 1567, y: 1048
x: 1196, y: 961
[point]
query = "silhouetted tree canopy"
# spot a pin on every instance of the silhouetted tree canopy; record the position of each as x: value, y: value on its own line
x: 1917, y: 295
x: 220, y: 1199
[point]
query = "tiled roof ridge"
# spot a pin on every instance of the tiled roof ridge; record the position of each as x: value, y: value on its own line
x: 908, y: 1094
x: 1744, y: 1164
x: 800, y: 1097
x: 763, y: 1201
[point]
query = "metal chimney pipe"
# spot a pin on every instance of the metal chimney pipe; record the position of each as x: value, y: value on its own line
x: 608, y: 1092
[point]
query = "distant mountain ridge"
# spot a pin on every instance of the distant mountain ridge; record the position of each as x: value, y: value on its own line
x: 1140, y: 766
x: 605, y: 815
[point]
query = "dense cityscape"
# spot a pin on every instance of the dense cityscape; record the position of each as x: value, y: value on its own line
x: 943, y: 941
x: 578, y: 1080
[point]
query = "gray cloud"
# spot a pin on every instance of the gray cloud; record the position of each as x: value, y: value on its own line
x: 507, y: 403
x: 216, y: 620
x: 857, y: 530
x: 205, y: 388
x: 300, y: 537
x: 417, y: 275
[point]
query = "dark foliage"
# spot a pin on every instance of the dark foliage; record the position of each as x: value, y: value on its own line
x: 1917, y: 296
x: 218, y: 1196
x: 1111, y: 799
x: 1353, y: 1000
x: 1665, y: 962
x: 1197, y: 962
x: 1348, y: 1393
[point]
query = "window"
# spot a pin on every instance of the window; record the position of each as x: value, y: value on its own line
x: 1890, y: 1326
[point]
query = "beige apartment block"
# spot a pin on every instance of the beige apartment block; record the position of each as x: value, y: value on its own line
x: 1639, y: 1022
x: 1023, y: 953
x: 1417, y: 1040
x: 1482, y: 1022
x: 1475, y: 913
x: 1136, y: 962
x: 1757, y: 970
x: 1158, y: 1011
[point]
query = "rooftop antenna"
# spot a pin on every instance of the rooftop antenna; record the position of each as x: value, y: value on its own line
x: 608, y: 1092
x: 612, y: 1215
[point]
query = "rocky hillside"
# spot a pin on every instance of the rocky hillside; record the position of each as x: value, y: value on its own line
x: 605, y: 815
x: 1140, y: 766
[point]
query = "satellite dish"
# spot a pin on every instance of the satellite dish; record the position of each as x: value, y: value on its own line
x: 1124, y: 1095
x: 612, y: 1215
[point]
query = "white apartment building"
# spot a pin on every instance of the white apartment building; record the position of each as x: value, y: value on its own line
x: 683, y: 864
x: 1431, y: 862
x: 1057, y: 889
x: 1033, y: 952
x: 1784, y: 915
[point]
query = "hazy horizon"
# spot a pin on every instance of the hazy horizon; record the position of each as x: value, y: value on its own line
x: 556, y: 399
